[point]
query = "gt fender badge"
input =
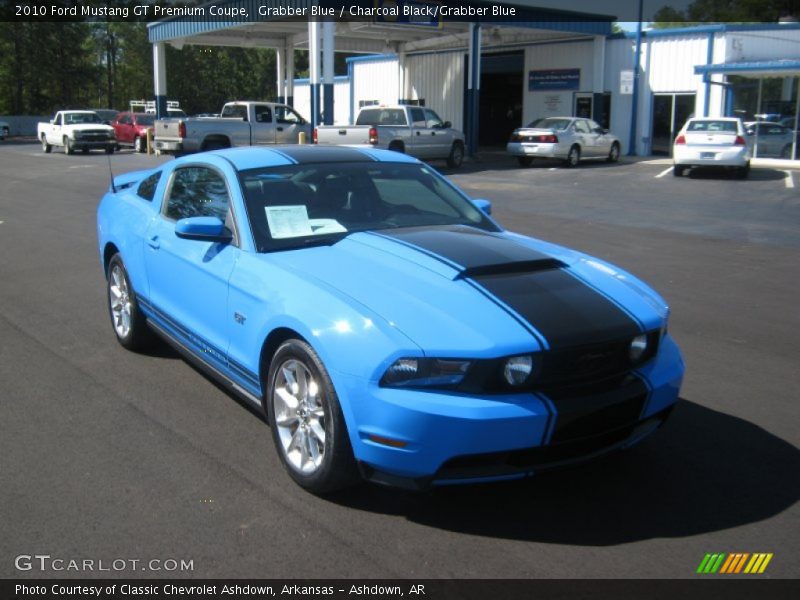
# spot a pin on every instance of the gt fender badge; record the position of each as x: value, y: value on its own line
x: 239, y: 318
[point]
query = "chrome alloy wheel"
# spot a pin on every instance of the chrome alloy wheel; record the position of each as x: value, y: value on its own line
x: 120, y: 301
x: 299, y: 416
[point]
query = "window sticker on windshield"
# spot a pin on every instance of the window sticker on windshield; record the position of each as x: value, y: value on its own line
x: 288, y: 221
x: 320, y: 226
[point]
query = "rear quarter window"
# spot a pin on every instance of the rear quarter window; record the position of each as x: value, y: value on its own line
x: 147, y: 188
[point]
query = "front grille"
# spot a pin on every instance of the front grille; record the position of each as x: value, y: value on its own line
x: 544, y: 457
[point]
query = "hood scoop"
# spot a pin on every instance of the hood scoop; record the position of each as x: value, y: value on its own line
x: 512, y: 268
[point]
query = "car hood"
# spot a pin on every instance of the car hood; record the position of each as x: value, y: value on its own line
x: 88, y: 127
x: 462, y: 291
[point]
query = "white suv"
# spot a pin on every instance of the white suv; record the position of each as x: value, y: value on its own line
x: 712, y: 142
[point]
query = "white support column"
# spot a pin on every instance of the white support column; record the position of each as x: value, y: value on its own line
x: 290, y: 73
x: 328, y: 50
x: 280, y: 60
x: 473, y: 88
x: 401, y: 76
x: 598, y: 79
x: 313, y: 70
x: 160, y: 79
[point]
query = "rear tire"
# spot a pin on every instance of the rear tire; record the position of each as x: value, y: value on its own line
x: 128, y: 322
x: 743, y: 172
x: 397, y: 147
x: 524, y: 161
x: 456, y: 155
x: 573, y: 157
x: 677, y: 170
x: 306, y: 419
x: 46, y: 148
x: 215, y: 145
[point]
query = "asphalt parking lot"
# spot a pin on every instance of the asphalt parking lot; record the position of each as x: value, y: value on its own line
x: 108, y: 454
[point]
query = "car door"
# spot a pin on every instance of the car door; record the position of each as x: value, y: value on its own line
x: 585, y: 138
x: 123, y: 128
x: 188, y: 279
x: 262, y: 126
x: 421, y: 140
x: 600, y: 139
x: 441, y: 138
x: 53, y: 133
x: 288, y: 125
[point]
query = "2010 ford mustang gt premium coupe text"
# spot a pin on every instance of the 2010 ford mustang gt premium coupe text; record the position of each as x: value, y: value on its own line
x: 388, y: 327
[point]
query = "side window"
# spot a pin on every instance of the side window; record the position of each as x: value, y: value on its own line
x: 581, y: 126
x: 147, y: 189
x: 234, y: 111
x: 197, y: 192
x: 263, y: 113
x: 432, y: 119
x: 284, y: 114
x: 593, y: 125
x: 417, y: 117
x: 125, y: 120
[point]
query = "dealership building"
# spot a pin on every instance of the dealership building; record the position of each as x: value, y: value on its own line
x: 488, y: 76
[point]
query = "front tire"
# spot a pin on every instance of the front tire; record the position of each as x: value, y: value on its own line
x: 573, y: 157
x: 110, y: 150
x: 68, y: 149
x: 308, y: 427
x: 46, y: 148
x: 127, y: 320
x: 613, y: 154
x: 456, y: 155
x: 138, y: 145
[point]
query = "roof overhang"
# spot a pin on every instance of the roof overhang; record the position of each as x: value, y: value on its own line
x: 767, y: 68
x: 369, y: 35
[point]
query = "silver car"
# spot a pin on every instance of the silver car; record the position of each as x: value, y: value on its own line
x: 770, y: 139
x: 570, y: 139
x: 4, y: 129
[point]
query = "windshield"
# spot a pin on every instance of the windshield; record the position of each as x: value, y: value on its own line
x: 300, y: 205
x: 555, y: 123
x: 76, y: 118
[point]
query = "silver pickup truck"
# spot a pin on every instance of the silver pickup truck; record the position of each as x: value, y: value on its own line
x: 239, y: 124
x: 415, y: 130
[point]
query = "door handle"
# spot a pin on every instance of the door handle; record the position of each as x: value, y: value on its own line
x: 153, y: 242
x: 280, y: 128
x: 418, y: 133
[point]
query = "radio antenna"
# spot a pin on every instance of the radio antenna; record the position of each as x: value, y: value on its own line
x: 111, y: 174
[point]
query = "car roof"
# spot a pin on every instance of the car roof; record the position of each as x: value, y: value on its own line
x: 715, y: 119
x: 254, y: 158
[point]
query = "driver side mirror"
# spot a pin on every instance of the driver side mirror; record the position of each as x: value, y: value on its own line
x: 483, y: 205
x: 203, y: 229
x: 447, y: 125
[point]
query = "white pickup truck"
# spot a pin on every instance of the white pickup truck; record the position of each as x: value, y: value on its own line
x: 415, y: 130
x: 76, y: 130
x: 239, y: 124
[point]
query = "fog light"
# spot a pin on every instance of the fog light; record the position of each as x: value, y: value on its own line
x: 517, y: 369
x: 638, y: 347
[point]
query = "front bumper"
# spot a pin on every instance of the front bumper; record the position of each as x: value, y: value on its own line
x: 535, y: 150
x: 456, y: 438
x: 84, y: 144
x: 711, y: 156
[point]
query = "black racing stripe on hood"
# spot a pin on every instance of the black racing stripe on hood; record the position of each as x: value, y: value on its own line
x: 466, y: 246
x: 324, y: 154
x: 562, y: 308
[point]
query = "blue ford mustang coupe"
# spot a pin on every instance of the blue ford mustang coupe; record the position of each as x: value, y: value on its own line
x: 388, y: 327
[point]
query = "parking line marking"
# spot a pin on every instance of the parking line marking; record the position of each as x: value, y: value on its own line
x: 664, y: 172
x: 553, y: 169
x: 788, y: 180
x: 82, y: 166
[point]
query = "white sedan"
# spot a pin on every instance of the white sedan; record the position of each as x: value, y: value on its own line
x: 712, y: 142
x: 570, y: 139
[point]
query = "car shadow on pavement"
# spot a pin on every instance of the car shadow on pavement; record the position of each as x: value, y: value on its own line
x: 704, y: 471
x: 756, y: 174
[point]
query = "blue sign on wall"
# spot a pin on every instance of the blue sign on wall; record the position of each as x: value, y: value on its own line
x: 554, y: 80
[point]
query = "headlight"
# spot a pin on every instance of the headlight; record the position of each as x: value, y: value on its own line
x: 425, y: 372
x: 517, y: 369
x: 112, y: 134
x: 638, y: 347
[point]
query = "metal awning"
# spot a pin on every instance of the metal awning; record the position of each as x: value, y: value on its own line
x: 368, y: 36
x: 766, y: 68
